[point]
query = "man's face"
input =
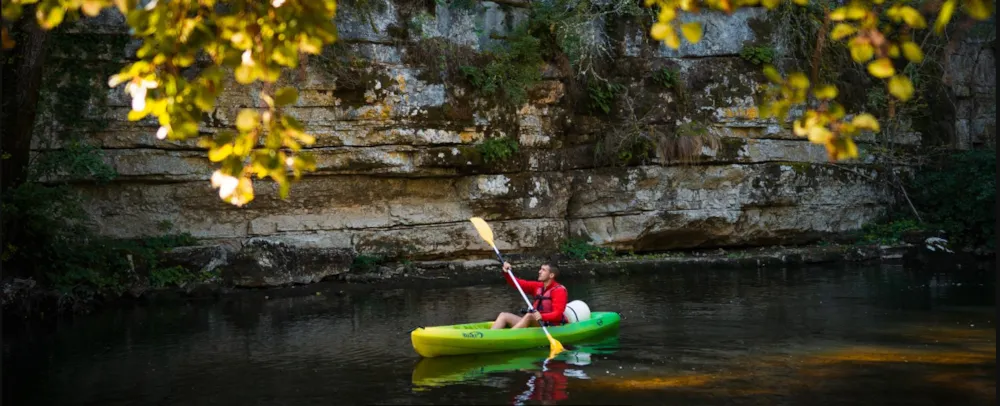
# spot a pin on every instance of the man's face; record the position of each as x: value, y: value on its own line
x: 544, y: 274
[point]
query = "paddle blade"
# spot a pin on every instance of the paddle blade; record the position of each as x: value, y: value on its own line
x: 484, y: 230
x: 555, y: 347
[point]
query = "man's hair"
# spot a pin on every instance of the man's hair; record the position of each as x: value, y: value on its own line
x: 552, y: 268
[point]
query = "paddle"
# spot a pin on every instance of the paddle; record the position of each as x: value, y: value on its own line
x: 555, y: 347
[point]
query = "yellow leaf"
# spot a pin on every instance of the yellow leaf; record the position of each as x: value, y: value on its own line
x: 893, y: 13
x: 770, y: 4
x: 692, y: 31
x: 667, y: 14
x: 865, y: 121
x: 912, y: 17
x: 820, y: 135
x: 838, y: 14
x: 856, y: 12
x: 671, y: 39
x: 799, y: 128
x: 978, y: 9
x: 912, y: 51
x: 301, y: 136
x: 861, y: 50
x: 901, y: 87
x: 245, y: 74
x: 893, y: 51
x: 247, y: 120
x: 136, y: 115
x: 243, y: 193
x: 243, y: 146
x: 659, y: 31
x: 825, y: 92
x: 310, y: 45
x: 49, y: 17
x: 798, y: 80
x: 881, y: 68
x: 772, y: 74
x: 220, y: 153
x: 944, y: 16
x: 813, y: 118
x: 842, y: 30
x: 846, y: 149
x: 801, y: 2
x: 92, y: 7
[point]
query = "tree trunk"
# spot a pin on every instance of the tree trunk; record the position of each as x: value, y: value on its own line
x: 22, y: 80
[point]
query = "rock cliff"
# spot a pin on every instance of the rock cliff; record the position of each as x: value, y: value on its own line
x: 404, y: 154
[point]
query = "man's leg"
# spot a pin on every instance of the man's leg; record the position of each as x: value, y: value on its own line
x: 526, y: 322
x: 505, y: 319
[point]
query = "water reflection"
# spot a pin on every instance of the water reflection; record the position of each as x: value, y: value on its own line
x: 442, y: 371
x: 831, y: 335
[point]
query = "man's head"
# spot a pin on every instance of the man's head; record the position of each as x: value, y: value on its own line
x: 547, y: 272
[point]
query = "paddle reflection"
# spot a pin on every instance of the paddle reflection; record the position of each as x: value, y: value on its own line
x: 547, y: 379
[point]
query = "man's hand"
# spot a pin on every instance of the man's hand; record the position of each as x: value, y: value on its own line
x: 506, y: 266
x: 535, y: 315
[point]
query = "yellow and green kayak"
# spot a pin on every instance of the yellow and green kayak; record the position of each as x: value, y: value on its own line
x: 477, y: 338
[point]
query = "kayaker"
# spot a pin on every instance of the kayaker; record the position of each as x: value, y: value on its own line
x: 550, y: 300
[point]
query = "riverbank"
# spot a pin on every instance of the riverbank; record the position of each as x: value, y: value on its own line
x: 275, y: 270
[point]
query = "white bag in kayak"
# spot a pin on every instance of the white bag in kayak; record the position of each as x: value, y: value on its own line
x: 576, y: 311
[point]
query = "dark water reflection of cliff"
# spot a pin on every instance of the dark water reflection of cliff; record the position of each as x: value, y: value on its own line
x: 821, y: 336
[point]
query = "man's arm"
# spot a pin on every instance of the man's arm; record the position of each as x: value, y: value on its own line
x: 526, y: 286
x: 558, y: 306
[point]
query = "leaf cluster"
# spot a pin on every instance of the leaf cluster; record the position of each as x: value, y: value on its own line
x: 881, y: 35
x: 189, y: 47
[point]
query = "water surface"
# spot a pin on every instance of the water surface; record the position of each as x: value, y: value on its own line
x: 816, y: 336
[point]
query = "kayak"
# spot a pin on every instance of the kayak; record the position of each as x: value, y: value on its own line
x: 441, y: 371
x: 477, y: 338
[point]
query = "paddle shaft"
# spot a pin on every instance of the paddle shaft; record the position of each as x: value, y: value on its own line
x: 518, y: 286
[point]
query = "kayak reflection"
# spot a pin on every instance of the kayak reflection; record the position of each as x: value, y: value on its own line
x: 547, y: 375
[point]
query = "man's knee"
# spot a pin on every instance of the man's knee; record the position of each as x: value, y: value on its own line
x: 509, y: 317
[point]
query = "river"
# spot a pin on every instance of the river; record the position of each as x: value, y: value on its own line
x: 831, y: 335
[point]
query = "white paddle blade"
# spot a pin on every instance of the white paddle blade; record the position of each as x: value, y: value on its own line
x: 484, y: 230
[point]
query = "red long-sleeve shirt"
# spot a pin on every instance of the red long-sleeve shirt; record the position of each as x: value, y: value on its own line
x: 552, y: 314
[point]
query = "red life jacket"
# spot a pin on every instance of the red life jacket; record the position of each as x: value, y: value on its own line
x: 543, y: 298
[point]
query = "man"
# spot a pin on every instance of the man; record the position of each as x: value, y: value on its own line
x: 550, y: 300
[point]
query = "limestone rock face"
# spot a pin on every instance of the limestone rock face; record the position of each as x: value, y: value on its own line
x: 402, y: 159
x: 657, y: 208
x: 268, y: 263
